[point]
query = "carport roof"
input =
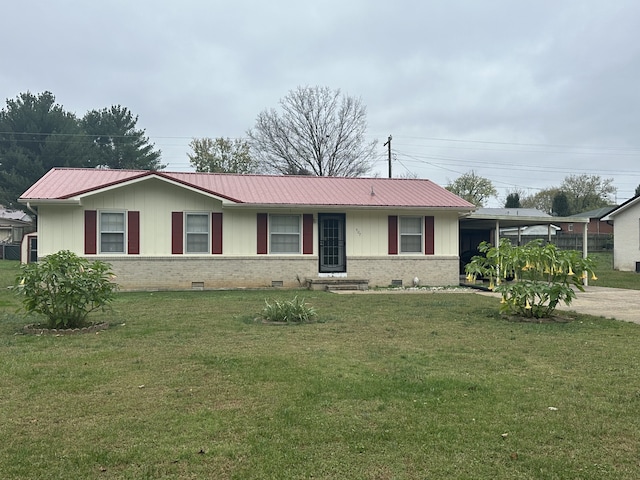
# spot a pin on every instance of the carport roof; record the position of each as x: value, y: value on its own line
x: 486, y: 218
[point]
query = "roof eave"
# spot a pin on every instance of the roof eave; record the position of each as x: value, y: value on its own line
x: 620, y: 209
x: 461, y: 210
x: 49, y: 201
x: 541, y: 220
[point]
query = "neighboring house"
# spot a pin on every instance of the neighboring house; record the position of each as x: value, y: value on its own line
x: 13, y: 225
x: 626, y: 241
x: 162, y: 230
x: 534, y: 230
x: 596, y: 225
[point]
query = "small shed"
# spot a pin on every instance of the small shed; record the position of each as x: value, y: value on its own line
x: 14, y: 225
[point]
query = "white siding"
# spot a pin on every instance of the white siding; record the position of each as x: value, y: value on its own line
x: 446, y: 233
x: 62, y: 227
x: 626, y: 240
x: 239, y: 232
x: 367, y: 232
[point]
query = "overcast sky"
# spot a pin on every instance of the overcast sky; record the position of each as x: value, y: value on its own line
x: 523, y: 92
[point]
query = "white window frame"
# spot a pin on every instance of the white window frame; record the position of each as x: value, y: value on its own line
x: 411, y: 234
x: 273, y: 234
x: 187, y: 233
x: 122, y: 232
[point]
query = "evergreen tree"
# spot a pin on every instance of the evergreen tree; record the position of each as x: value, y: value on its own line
x: 37, y: 134
x: 117, y: 143
x: 560, y: 205
x: 513, y: 201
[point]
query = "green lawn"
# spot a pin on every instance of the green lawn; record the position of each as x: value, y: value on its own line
x: 385, y: 386
x: 608, y: 277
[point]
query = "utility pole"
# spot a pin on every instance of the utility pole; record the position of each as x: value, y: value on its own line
x: 388, y: 143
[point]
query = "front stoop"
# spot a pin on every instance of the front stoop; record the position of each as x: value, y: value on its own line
x: 337, y: 284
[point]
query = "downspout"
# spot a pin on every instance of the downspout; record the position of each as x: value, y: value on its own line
x: 35, y: 212
x: 31, y: 209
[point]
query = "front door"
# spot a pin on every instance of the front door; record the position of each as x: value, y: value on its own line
x: 332, y: 244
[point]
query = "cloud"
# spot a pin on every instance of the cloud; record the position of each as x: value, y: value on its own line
x: 549, y: 86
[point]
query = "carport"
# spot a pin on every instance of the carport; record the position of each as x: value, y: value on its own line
x: 484, y: 224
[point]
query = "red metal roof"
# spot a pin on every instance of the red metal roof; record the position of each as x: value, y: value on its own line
x: 66, y: 183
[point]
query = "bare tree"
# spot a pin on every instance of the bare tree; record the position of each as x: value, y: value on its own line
x: 319, y: 131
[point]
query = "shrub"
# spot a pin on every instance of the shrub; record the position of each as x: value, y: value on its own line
x: 65, y: 288
x: 532, y: 278
x: 291, y: 311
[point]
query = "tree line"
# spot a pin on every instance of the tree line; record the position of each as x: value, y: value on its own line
x: 576, y: 194
x: 315, y: 131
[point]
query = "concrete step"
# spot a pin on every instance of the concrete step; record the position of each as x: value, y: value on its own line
x: 337, y: 284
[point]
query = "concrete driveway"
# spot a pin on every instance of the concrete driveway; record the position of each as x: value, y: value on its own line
x: 606, y: 302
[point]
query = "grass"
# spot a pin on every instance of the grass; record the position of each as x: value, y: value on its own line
x: 608, y: 277
x: 386, y: 386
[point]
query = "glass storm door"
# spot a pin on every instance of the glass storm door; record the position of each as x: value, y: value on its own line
x: 332, y: 245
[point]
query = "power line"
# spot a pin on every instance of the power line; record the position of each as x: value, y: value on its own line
x: 510, y: 165
x: 544, y: 145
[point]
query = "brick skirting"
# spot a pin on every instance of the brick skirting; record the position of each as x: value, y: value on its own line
x: 215, y: 272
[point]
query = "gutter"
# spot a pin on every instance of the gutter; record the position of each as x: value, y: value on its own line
x: 51, y: 201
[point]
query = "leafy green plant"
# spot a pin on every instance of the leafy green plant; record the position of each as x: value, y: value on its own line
x: 289, y: 311
x: 65, y: 288
x: 532, y: 278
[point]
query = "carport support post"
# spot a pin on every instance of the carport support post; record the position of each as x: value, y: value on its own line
x: 585, y: 252
x: 498, y: 249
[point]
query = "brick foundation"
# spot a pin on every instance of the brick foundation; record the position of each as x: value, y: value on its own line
x: 187, y: 273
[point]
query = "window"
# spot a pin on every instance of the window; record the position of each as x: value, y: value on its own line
x: 284, y: 233
x: 410, y: 234
x: 197, y: 232
x: 17, y: 233
x: 570, y: 227
x: 112, y: 225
